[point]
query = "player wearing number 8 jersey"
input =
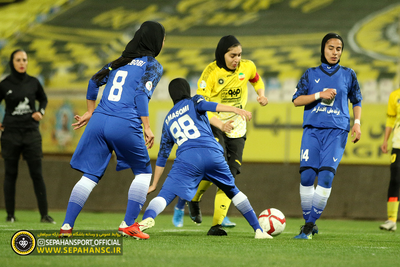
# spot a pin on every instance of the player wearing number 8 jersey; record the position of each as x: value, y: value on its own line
x: 198, y: 155
x: 324, y: 92
x: 116, y: 126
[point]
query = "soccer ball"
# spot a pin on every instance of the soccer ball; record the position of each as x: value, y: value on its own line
x: 272, y: 221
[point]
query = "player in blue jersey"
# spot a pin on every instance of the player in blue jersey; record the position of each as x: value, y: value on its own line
x: 324, y: 91
x: 116, y: 125
x: 198, y: 155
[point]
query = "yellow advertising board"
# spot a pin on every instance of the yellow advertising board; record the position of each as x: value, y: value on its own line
x: 274, y: 134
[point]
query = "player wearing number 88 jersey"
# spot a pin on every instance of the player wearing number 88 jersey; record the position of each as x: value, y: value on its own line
x: 198, y: 155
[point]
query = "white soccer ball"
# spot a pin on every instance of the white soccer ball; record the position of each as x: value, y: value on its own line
x: 272, y: 221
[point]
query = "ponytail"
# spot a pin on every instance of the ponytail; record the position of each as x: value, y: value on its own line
x: 119, y: 62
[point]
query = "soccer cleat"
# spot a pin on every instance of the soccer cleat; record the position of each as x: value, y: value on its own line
x: 66, y: 230
x: 121, y: 227
x: 388, y: 226
x: 227, y: 223
x: 305, y: 231
x: 47, y: 219
x: 217, y: 230
x: 262, y: 235
x: 10, y: 219
x: 177, y: 219
x: 194, y: 211
x: 134, y: 232
x: 314, y: 230
x: 146, y: 224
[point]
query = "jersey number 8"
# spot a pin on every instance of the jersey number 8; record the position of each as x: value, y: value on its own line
x: 184, y: 129
x: 116, y: 89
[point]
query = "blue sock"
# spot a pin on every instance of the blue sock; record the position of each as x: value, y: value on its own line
x: 156, y: 206
x: 136, y: 197
x: 319, y: 203
x: 181, y: 204
x: 243, y: 205
x: 80, y: 193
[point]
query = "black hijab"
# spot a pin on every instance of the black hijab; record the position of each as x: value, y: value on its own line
x: 179, y: 89
x: 222, y: 48
x: 147, y: 41
x: 15, y: 75
x: 324, y: 40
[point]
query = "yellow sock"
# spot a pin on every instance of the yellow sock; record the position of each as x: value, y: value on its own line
x: 221, y: 206
x: 393, y: 208
x: 203, y: 186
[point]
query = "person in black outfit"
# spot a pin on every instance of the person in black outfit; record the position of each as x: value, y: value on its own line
x: 20, y: 132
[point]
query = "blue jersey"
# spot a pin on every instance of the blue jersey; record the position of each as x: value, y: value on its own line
x: 323, y: 113
x: 187, y: 126
x: 126, y: 86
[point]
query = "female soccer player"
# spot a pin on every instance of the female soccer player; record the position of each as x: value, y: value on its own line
x: 198, y: 156
x: 225, y: 81
x: 392, y: 125
x: 116, y: 125
x: 324, y: 91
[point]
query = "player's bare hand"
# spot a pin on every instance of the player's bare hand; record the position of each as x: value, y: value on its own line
x: 262, y: 100
x: 246, y: 115
x: 152, y: 188
x: 328, y: 94
x: 149, y: 138
x: 384, y: 147
x: 1, y: 127
x: 356, y: 132
x: 37, y: 116
x: 81, y: 120
x: 227, y: 127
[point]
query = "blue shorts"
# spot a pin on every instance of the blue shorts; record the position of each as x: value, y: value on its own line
x: 322, y: 149
x: 105, y: 134
x: 191, y: 166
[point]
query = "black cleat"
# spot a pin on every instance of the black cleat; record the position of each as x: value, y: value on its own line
x: 314, y: 229
x: 194, y: 211
x: 10, y: 218
x: 47, y: 219
x: 217, y: 230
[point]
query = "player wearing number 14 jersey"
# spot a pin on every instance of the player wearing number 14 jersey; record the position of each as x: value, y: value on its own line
x: 324, y: 92
x: 116, y: 126
x: 198, y: 155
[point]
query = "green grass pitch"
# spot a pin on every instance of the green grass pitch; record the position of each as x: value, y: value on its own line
x: 339, y: 243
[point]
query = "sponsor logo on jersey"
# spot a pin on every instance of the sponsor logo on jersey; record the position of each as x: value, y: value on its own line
x: 241, y: 76
x: 335, y: 159
x: 203, y: 84
x: 317, y: 81
x: 221, y: 81
x: 149, y: 85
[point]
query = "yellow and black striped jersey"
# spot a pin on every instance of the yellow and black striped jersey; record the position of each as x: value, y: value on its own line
x: 229, y: 88
x: 393, y: 117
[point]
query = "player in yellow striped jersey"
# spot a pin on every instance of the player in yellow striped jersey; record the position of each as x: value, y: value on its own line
x: 225, y: 81
x: 393, y: 125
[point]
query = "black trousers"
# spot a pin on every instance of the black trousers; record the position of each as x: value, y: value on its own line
x: 27, y: 142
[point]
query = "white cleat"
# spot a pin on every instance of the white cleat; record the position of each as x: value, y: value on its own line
x: 262, y: 235
x: 146, y: 224
x: 388, y: 226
